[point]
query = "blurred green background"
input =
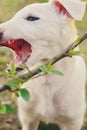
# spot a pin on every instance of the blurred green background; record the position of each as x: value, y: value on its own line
x: 7, y: 10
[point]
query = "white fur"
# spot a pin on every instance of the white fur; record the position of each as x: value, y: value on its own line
x: 54, y: 98
x: 73, y: 7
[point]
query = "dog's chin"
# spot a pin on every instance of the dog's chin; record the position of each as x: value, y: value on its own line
x: 21, y: 48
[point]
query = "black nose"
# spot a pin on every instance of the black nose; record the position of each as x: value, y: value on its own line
x: 1, y: 35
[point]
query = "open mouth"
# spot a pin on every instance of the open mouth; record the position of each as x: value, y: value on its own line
x: 21, y: 48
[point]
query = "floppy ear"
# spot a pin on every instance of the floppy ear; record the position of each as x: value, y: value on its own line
x: 73, y: 8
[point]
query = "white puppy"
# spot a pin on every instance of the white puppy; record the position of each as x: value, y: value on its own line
x: 41, y: 31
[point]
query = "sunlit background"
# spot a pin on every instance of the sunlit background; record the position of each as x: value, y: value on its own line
x: 7, y: 10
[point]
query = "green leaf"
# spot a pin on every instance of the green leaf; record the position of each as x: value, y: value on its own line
x: 22, y: 66
x: 13, y: 83
x: 17, y: 94
x: 13, y: 70
x: 57, y: 72
x: 49, y: 67
x: 2, y: 109
x: 43, y: 68
x: 25, y: 94
x: 77, y: 41
x: 73, y: 53
x: 9, y: 109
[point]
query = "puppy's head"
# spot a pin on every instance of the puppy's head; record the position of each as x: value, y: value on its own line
x: 38, y: 30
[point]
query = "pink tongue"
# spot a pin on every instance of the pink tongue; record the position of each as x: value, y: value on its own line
x: 21, y: 48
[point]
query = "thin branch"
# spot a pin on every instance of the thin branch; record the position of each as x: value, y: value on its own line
x: 3, y: 88
x: 57, y: 58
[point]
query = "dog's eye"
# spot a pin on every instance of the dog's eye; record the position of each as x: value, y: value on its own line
x: 32, y: 18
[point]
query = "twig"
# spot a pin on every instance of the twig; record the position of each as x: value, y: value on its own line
x: 29, y: 75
